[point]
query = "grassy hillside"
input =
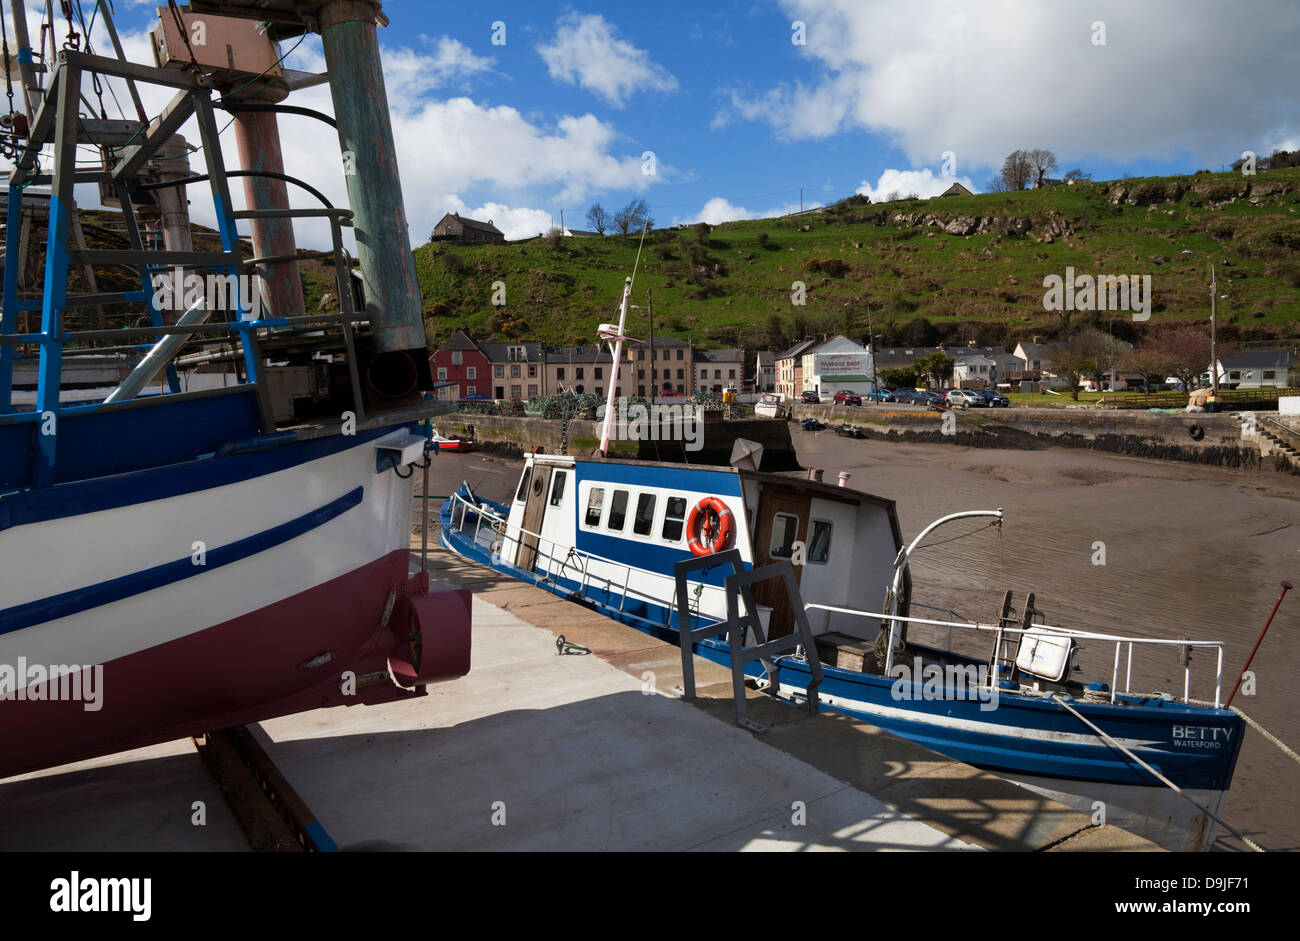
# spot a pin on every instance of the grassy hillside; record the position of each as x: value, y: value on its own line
x: 902, y: 261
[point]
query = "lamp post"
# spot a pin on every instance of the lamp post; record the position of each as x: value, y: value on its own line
x: 1214, y: 357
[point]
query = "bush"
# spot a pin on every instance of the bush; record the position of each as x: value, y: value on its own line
x: 832, y: 267
x: 453, y: 263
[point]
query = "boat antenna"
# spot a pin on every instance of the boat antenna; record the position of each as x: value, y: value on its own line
x: 615, y: 337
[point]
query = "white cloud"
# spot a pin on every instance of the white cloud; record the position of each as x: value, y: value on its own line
x: 718, y: 210
x: 448, y: 149
x: 586, y: 51
x: 985, y: 77
x: 411, y: 72
x: 905, y: 182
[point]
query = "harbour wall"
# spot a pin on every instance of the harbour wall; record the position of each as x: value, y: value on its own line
x: 512, y: 436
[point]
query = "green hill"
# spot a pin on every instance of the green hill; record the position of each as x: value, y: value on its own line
x: 972, y: 266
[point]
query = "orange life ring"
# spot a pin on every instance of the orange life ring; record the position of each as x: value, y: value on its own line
x: 698, y: 526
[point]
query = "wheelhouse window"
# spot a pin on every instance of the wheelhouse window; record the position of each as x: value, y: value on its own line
x: 674, y: 518
x: 557, y: 488
x: 645, y: 514
x: 595, y: 504
x: 819, y: 546
x: 785, y: 530
x: 617, y: 511
x: 522, y: 495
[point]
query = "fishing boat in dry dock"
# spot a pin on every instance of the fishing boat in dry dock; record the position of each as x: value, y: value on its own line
x: 175, y: 562
x: 804, y: 589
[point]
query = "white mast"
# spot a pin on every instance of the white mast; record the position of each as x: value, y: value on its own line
x: 617, y: 343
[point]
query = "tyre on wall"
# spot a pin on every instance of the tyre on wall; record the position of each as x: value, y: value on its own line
x: 1196, y: 432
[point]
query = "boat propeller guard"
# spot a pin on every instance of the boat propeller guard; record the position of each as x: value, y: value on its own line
x: 706, y: 536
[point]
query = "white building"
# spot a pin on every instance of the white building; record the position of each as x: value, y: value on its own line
x: 837, y: 364
x: 765, y: 381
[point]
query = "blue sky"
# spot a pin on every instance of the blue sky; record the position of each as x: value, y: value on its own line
x: 739, y: 117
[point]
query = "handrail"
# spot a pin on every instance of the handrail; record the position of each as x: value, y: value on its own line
x: 1286, y: 429
x: 509, y: 532
x: 1072, y: 633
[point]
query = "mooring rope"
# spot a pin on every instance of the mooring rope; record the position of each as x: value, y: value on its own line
x: 1286, y: 749
x: 1160, y: 777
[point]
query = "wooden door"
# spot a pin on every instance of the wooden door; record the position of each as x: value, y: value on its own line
x: 539, y: 489
x: 775, y: 508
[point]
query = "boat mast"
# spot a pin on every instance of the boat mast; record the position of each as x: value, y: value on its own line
x: 617, y: 340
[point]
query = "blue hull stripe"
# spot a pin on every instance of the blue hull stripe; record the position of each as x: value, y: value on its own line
x: 83, y: 599
x: 159, y: 483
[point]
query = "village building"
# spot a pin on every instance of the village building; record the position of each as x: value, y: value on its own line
x: 463, y: 365
x: 586, y: 370
x: 838, y: 364
x: 765, y: 369
x: 667, y: 368
x: 789, y: 369
x: 454, y: 227
x: 719, y: 370
x: 1259, y: 369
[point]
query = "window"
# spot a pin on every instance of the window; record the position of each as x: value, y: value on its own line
x: 523, y: 485
x: 645, y: 514
x: 579, y: 373
x: 617, y: 511
x: 442, y: 372
x: 640, y: 374
x: 532, y: 372
x: 471, y: 390
x: 499, y: 372
x: 1269, y: 374
x: 674, y: 518
x: 1235, y: 374
x: 595, y: 504
x: 679, y: 374
x: 819, y: 546
x: 600, y: 390
x: 731, y: 374
x: 559, y: 373
x: 679, y: 355
x: 515, y: 391
x: 717, y: 374
x: 471, y: 372
x: 514, y: 372
x: 785, y: 530
x: 456, y: 357
x: 640, y: 354
x: 600, y: 372
x: 557, y: 488
x: 532, y: 391
x: 501, y: 392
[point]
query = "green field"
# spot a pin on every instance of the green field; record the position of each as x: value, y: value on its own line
x: 724, y: 287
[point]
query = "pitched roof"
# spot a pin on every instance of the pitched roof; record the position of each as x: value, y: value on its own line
x: 798, y: 349
x: 1259, y: 359
x: 956, y: 190
x: 719, y: 356
x: 500, y: 352
x: 461, y: 340
x: 469, y: 223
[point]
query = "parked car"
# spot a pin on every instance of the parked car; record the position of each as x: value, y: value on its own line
x: 880, y: 395
x: 845, y: 397
x: 995, y: 399
x: 926, y: 397
x: 964, y: 398
x: 810, y: 398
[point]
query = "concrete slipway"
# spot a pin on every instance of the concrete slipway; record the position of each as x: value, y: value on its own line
x: 537, y: 751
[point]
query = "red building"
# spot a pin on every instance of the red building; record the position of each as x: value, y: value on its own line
x: 461, y: 362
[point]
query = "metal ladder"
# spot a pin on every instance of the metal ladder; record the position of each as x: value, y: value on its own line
x: 1005, y: 648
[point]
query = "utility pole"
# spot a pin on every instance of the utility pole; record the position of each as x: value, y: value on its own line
x: 650, y: 308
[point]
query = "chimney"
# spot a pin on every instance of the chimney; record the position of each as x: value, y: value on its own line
x: 844, y: 478
x: 815, y: 473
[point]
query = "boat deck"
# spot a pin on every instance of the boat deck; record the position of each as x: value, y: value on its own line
x: 578, y: 751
